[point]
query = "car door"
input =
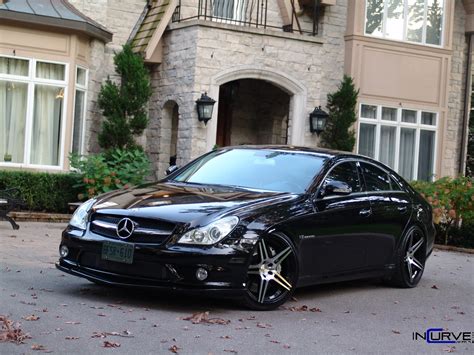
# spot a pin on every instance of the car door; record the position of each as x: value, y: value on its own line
x: 391, y: 210
x: 334, y: 237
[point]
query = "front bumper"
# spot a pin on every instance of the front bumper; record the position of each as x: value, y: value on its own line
x: 157, y: 266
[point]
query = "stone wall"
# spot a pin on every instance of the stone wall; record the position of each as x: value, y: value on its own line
x: 173, y: 80
x: 454, y: 118
x: 197, y: 51
x: 259, y: 111
x: 119, y: 17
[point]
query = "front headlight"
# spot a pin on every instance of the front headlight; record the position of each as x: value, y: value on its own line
x: 210, y: 234
x: 79, y: 218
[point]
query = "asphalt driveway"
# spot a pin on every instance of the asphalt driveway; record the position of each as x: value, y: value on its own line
x: 65, y: 314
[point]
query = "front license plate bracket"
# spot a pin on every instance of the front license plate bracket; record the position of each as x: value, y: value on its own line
x: 118, y: 252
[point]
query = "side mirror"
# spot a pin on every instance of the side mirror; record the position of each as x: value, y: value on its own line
x: 171, y: 169
x: 335, y: 188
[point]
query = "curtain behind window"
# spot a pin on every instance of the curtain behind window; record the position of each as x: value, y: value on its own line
x: 387, y: 145
x: 407, y: 153
x: 13, y: 103
x: 45, y: 137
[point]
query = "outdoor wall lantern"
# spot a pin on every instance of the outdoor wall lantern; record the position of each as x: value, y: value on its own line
x: 317, y: 120
x: 205, y: 105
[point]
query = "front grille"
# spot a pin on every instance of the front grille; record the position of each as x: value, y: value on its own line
x: 146, y: 230
x: 139, y: 268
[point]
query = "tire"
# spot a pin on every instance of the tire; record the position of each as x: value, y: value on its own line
x: 272, y: 273
x: 411, y: 259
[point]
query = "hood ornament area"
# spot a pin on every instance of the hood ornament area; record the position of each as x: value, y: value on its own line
x: 125, y: 228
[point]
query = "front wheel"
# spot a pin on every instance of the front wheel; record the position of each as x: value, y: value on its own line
x: 272, y: 273
x: 411, y: 259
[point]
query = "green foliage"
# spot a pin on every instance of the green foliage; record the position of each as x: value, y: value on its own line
x: 463, y: 236
x: 338, y: 133
x: 452, y: 201
x: 42, y: 192
x: 124, y: 104
x: 116, y: 169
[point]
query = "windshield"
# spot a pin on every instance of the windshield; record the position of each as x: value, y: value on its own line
x: 261, y: 169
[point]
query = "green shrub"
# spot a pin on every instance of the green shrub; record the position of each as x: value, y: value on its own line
x: 104, y: 172
x: 462, y: 236
x: 42, y: 192
x: 452, y: 201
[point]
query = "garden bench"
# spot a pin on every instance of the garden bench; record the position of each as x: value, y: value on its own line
x: 9, y: 200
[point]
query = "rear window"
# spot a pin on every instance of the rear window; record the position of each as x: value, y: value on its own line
x: 375, y: 179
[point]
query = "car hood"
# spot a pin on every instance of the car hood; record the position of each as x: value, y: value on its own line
x: 185, y: 203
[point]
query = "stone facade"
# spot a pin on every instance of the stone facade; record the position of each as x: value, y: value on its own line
x: 119, y: 17
x: 196, y: 52
x: 296, y: 70
x: 457, y: 83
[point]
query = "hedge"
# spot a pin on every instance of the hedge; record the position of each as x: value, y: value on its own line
x: 453, y: 209
x: 42, y: 192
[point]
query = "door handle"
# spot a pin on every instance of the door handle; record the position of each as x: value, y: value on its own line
x: 366, y: 212
x: 402, y: 209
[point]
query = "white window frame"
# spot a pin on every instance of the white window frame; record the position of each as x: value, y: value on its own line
x: 405, y: 25
x: 32, y: 81
x: 83, y: 88
x: 378, y: 122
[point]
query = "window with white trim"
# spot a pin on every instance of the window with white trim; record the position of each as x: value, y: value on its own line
x: 79, y: 111
x: 404, y: 139
x: 32, y: 107
x: 419, y: 21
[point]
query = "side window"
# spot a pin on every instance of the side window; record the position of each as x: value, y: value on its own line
x: 395, y: 185
x: 375, y: 179
x: 346, y: 172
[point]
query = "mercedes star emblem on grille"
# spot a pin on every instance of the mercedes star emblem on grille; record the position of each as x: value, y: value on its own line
x: 125, y: 228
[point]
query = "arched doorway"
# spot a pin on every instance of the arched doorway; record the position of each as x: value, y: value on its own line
x: 169, y: 135
x: 295, y: 90
x: 252, y: 111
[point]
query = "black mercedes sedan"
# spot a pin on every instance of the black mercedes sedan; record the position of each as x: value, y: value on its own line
x: 254, y: 223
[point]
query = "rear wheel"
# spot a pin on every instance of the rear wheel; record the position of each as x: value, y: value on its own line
x: 272, y: 273
x: 411, y: 260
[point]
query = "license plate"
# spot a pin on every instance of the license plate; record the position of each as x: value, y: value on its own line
x: 119, y: 252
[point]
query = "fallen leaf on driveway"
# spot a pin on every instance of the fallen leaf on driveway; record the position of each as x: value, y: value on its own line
x: 31, y: 318
x: 174, y: 349
x: 71, y: 338
x: 109, y: 344
x: 435, y: 287
x: 98, y: 335
x: 72, y: 322
x: 37, y: 347
x: 264, y: 325
x: 394, y: 331
x: 450, y: 349
x: 203, y: 318
x: 10, y: 332
x: 230, y: 351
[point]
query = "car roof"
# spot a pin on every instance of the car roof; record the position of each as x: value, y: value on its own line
x: 328, y: 153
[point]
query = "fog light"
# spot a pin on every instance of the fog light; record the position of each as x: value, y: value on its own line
x: 63, y: 251
x: 201, y: 274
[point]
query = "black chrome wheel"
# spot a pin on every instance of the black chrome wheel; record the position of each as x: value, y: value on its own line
x: 272, y: 273
x: 411, y: 259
